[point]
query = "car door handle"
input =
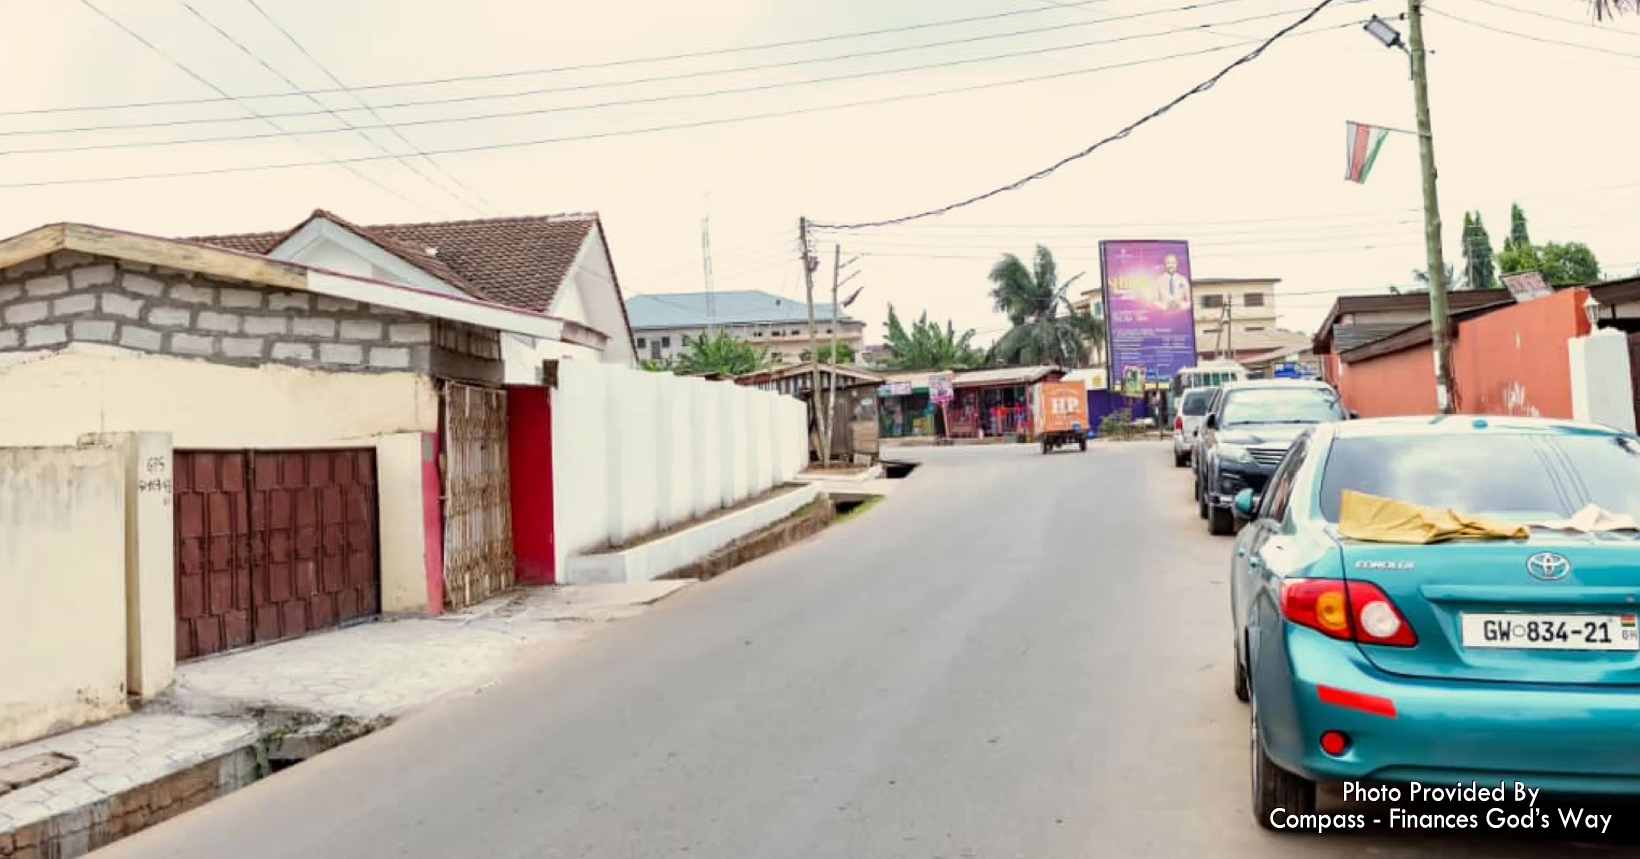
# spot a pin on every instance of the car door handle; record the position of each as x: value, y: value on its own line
x: 1255, y: 561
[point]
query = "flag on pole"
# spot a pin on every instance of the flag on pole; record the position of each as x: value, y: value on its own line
x: 1364, y: 142
x: 850, y: 299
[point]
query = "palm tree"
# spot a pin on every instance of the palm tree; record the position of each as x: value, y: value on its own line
x: 1046, y: 329
x: 927, y: 346
x: 1604, y: 9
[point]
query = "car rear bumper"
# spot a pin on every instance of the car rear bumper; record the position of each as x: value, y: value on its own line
x: 1576, y: 739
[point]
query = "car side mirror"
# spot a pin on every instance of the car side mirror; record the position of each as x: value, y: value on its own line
x: 1354, y: 416
x: 1212, y: 422
x: 1245, y: 503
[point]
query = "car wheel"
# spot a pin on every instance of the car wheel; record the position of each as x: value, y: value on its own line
x: 1273, y: 787
x: 1219, y: 521
x: 1201, y: 502
x: 1082, y: 444
x: 1180, y: 460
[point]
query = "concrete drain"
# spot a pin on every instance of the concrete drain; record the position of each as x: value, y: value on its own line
x: 32, y: 769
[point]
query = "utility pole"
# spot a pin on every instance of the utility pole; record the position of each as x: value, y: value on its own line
x: 1432, y: 213
x: 706, y: 266
x: 809, y: 265
x: 828, y: 427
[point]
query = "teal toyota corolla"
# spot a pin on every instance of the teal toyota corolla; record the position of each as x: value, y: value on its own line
x: 1444, y: 662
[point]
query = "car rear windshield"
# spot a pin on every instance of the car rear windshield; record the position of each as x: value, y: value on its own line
x: 1195, y: 402
x: 1295, y: 405
x: 1515, y: 475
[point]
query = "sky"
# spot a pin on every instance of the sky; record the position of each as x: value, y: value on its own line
x: 1527, y: 102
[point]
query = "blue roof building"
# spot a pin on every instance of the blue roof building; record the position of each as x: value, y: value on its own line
x: 660, y: 322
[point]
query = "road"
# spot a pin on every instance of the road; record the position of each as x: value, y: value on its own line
x: 1013, y: 656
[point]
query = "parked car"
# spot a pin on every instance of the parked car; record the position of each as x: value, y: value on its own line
x: 1187, y: 424
x: 1446, y: 662
x: 1245, y: 435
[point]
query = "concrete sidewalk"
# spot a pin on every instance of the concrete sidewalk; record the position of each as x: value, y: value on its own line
x: 228, y: 720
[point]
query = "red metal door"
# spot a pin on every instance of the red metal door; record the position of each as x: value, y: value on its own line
x: 272, y: 545
x: 213, y: 591
x: 313, y: 524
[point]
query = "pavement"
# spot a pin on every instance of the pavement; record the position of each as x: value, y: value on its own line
x: 1013, y: 655
x: 371, y: 673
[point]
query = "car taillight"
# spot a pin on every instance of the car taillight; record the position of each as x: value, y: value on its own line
x: 1352, y: 611
x: 1178, y: 422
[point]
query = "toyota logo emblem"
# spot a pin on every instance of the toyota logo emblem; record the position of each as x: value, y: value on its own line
x: 1548, y: 566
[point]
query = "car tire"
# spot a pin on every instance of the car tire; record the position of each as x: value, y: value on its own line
x: 1180, y: 460
x: 1273, y: 787
x: 1220, y: 521
x: 1082, y: 444
x: 1201, y: 502
x: 1239, y: 684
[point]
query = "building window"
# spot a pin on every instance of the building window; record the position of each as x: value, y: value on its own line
x: 1255, y: 299
x: 666, y: 342
x: 1212, y: 301
x: 1255, y: 328
x: 757, y: 333
x: 641, y: 344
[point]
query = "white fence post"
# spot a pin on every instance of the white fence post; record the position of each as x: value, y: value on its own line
x: 1601, y: 389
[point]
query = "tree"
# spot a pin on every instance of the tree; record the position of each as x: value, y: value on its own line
x: 1604, y: 9
x: 721, y: 354
x: 845, y: 354
x: 1045, y: 328
x: 927, y: 346
x: 1518, y: 237
x: 1569, y: 263
x: 664, y: 365
x: 1480, y: 272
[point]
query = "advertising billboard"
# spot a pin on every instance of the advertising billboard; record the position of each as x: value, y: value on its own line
x: 1149, y: 313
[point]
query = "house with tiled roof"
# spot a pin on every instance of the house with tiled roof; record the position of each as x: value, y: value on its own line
x: 556, y: 265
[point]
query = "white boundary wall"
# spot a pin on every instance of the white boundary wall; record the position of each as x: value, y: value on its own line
x: 634, y: 452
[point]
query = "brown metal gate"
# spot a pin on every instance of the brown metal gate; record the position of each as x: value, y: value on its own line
x: 478, y: 553
x: 272, y: 545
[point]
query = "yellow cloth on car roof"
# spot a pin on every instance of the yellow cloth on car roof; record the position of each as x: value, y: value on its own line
x: 1385, y: 520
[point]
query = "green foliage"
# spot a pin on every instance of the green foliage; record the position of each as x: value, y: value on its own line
x: 1046, y: 330
x: 664, y: 365
x: 1560, y: 264
x: 721, y: 354
x: 927, y: 346
x: 1480, y: 271
x: 1518, y: 237
x: 1569, y: 263
x: 1420, y: 277
x: 1117, y: 425
x: 845, y: 354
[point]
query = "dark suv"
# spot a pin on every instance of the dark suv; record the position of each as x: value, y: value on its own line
x: 1248, y: 429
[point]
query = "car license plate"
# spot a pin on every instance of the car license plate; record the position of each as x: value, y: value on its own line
x: 1551, y: 631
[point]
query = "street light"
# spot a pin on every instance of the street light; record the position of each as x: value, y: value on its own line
x: 1383, y: 32
x: 1591, y: 309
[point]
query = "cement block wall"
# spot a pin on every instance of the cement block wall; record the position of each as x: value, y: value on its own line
x: 71, y: 297
x: 62, y: 588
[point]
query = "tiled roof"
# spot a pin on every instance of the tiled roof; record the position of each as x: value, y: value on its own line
x: 519, y: 262
x: 743, y: 307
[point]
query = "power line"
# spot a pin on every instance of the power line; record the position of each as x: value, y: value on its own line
x: 224, y: 93
x: 561, y: 69
x: 1547, y: 16
x: 1582, y: 46
x: 228, y: 37
x: 1199, y: 88
x: 513, y: 114
x: 706, y: 123
x: 432, y: 162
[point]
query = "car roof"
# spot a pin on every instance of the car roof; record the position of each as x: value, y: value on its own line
x: 1473, y: 425
x: 1207, y: 390
x: 1247, y: 384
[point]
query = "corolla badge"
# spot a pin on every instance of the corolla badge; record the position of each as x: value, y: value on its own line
x: 1383, y: 565
x: 1548, y: 566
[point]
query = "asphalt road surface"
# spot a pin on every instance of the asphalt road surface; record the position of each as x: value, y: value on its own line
x: 1016, y: 655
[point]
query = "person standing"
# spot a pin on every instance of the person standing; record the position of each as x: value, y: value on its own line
x: 1173, y: 289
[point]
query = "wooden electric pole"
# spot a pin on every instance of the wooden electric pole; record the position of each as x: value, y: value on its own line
x: 828, y: 426
x: 809, y: 265
x: 1432, y: 214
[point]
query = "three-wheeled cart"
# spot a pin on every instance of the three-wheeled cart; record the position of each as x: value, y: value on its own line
x: 1059, y: 414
